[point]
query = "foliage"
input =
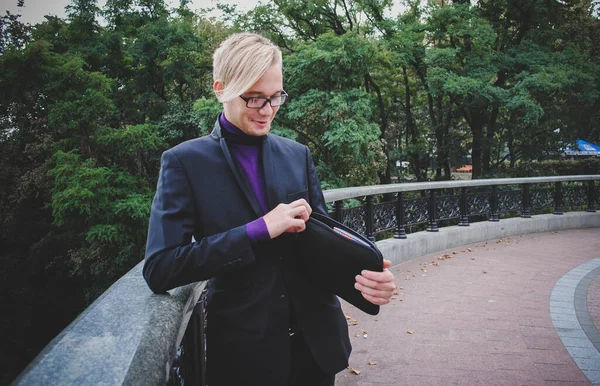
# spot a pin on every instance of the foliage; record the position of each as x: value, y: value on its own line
x: 562, y: 167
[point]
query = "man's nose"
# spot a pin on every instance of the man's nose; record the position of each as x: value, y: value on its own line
x: 267, y: 109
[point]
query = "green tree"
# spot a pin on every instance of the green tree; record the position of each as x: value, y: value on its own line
x: 330, y: 110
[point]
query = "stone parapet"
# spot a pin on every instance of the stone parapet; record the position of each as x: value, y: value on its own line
x: 423, y: 243
x: 128, y: 336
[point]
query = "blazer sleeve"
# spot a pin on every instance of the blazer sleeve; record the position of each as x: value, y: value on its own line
x: 317, y: 201
x: 171, y: 258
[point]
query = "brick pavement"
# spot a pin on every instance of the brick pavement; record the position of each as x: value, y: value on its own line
x: 475, y: 315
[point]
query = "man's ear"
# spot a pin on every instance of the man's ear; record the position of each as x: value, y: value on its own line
x: 218, y: 88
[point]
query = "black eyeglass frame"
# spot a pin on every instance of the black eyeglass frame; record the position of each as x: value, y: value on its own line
x: 267, y: 100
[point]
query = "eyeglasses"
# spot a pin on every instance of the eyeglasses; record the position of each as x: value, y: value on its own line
x: 260, y: 102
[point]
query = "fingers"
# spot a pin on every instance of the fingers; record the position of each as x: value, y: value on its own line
x: 300, y: 212
x: 287, y: 218
x: 376, y: 300
x: 371, y: 276
x: 376, y: 287
x: 302, y: 203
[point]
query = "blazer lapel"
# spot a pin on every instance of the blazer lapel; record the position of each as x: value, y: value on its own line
x: 269, y: 169
x: 240, y: 178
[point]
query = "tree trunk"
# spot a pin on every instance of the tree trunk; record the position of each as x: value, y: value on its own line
x: 489, y: 141
x: 412, y: 135
x: 387, y: 177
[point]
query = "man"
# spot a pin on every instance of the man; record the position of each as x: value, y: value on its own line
x: 243, y: 193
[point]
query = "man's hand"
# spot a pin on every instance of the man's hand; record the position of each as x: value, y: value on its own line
x: 377, y: 287
x: 288, y: 218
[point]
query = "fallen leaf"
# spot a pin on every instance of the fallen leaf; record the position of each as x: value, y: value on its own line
x: 354, y: 370
x: 409, y: 332
x: 371, y: 362
x: 469, y: 250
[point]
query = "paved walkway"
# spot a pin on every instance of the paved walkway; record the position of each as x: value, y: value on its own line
x: 516, y: 311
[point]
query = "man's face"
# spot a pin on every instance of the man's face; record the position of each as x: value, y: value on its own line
x: 256, y: 122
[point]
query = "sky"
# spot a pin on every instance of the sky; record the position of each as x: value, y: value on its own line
x: 35, y: 10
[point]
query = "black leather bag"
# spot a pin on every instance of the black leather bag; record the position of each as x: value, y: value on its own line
x: 332, y: 260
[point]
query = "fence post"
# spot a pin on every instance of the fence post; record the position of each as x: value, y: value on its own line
x: 369, y: 200
x: 558, y: 198
x: 494, y: 205
x: 338, y: 206
x: 464, y: 212
x: 432, y: 225
x: 591, y: 196
x: 525, y: 202
x: 400, y: 231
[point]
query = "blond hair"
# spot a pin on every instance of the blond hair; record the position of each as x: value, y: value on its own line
x: 240, y: 61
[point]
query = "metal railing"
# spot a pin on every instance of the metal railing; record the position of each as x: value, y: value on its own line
x: 430, y: 203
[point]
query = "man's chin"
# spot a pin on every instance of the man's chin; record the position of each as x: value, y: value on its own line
x: 259, y: 131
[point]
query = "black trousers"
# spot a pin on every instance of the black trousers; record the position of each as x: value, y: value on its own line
x: 305, y: 371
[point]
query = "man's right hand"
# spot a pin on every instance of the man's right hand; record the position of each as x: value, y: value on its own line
x: 288, y: 218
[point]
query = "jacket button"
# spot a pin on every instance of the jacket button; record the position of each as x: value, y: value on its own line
x: 282, y: 298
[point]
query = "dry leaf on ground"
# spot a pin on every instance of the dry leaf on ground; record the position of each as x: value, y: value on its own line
x: 371, y: 362
x: 352, y: 369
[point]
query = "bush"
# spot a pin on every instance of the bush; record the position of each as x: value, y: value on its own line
x: 553, y: 168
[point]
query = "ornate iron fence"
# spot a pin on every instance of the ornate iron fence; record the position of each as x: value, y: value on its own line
x: 460, y: 202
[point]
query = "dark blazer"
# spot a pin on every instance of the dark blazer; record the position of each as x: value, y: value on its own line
x: 201, y: 192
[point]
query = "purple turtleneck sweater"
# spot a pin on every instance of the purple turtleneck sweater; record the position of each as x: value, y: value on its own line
x: 247, y: 152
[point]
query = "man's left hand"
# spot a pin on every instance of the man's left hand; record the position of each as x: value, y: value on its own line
x: 377, y: 287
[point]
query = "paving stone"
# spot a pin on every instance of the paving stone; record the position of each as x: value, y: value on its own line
x: 568, y: 372
x: 588, y: 363
x: 593, y: 376
x: 580, y: 342
x: 583, y: 352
